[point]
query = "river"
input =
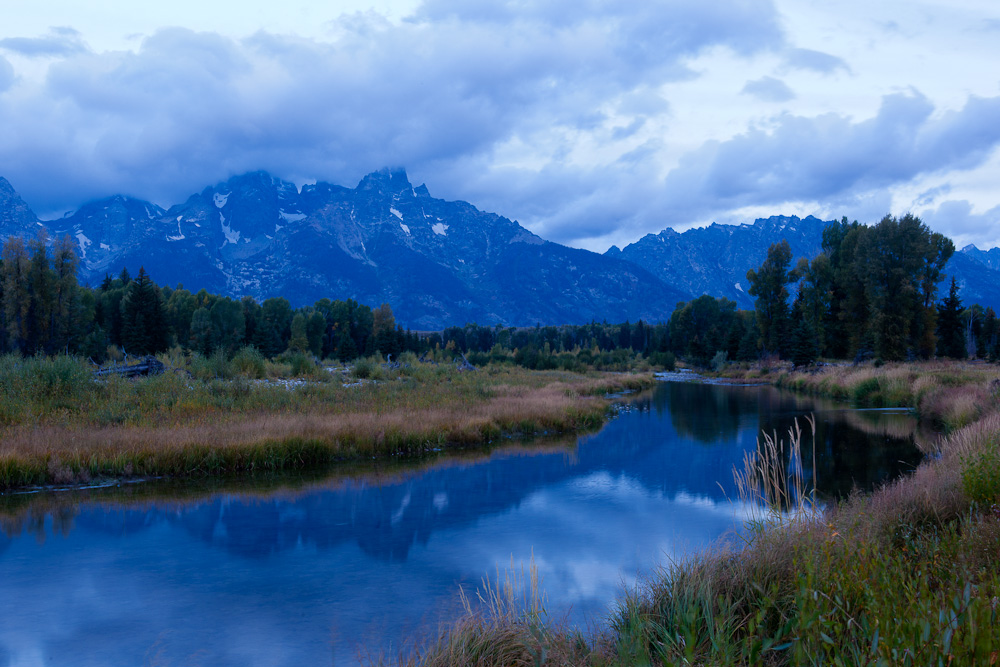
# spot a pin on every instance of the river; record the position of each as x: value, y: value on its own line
x: 330, y: 568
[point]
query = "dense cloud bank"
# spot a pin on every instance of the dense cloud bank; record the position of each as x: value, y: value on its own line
x: 553, y: 113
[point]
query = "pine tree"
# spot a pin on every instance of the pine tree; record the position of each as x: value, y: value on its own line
x: 41, y: 294
x: 768, y: 284
x: 144, y: 329
x: 950, y: 332
x: 299, y: 341
x: 65, y: 325
x: 16, y: 293
x: 383, y: 329
x: 200, y: 337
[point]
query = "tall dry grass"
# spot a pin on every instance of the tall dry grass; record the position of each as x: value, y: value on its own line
x: 53, y: 431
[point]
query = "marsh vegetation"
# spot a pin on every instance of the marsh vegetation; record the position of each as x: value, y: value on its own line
x: 908, y: 574
x: 60, y: 424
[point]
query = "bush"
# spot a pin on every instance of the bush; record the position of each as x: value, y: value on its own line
x: 303, y: 365
x: 363, y: 369
x: 720, y: 360
x: 981, y: 476
x: 866, y: 392
x: 42, y: 378
x: 249, y: 362
x: 665, y: 360
x: 215, y: 367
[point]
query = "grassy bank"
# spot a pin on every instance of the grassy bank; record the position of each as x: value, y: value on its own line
x: 60, y: 425
x: 906, y: 575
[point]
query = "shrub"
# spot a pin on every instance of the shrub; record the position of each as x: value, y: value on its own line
x: 720, y: 360
x: 981, y: 476
x: 303, y: 365
x: 363, y: 369
x: 215, y: 367
x: 866, y: 392
x: 665, y: 360
x: 249, y: 362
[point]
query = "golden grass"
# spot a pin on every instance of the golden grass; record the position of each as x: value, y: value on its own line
x: 220, y: 426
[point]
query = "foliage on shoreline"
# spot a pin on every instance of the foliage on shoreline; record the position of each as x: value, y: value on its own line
x: 60, y: 425
x: 909, y: 574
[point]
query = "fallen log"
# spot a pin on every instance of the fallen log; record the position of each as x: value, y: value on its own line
x: 149, y: 365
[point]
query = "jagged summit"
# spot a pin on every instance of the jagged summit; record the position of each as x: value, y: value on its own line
x: 387, y: 181
x: 439, y: 263
x: 15, y: 214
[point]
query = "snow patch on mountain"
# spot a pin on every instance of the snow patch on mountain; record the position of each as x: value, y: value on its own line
x: 180, y: 235
x: 440, y: 229
x: 220, y: 199
x: 395, y: 212
x: 291, y: 217
x: 738, y: 287
x: 405, y: 228
x: 84, y: 242
x: 231, y: 236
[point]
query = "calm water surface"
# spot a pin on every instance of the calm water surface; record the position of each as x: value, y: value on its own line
x: 322, y: 571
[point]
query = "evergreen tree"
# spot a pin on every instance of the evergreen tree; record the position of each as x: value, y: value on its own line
x: 316, y: 332
x: 299, y: 341
x: 228, y: 324
x: 65, y: 325
x: 768, y: 284
x: 40, y: 289
x: 803, y: 347
x: 16, y: 293
x: 200, y: 338
x: 346, y: 349
x: 144, y: 322
x: 384, y: 329
x: 950, y: 332
x: 267, y: 339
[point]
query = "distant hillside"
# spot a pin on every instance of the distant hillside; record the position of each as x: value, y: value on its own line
x: 715, y: 259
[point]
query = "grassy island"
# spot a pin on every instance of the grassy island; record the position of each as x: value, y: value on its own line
x: 59, y: 424
x: 906, y: 575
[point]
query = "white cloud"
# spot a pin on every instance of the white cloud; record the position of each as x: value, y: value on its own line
x: 6, y: 74
x: 769, y: 89
x: 60, y: 42
x: 963, y: 225
x: 592, y: 123
x: 817, y: 61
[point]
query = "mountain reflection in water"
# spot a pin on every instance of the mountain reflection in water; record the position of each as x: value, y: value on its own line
x: 162, y: 573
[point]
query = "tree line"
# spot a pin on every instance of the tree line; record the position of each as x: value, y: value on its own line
x: 871, y: 293
x: 44, y: 310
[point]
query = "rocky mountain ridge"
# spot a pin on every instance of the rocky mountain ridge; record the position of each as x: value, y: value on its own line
x: 438, y: 263
x: 715, y: 259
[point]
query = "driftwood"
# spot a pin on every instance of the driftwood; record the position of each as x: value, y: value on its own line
x: 464, y: 365
x: 149, y: 365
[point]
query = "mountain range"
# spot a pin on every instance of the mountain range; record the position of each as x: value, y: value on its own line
x: 438, y: 263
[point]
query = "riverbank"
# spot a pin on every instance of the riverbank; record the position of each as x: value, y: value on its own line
x: 58, y: 424
x: 909, y: 574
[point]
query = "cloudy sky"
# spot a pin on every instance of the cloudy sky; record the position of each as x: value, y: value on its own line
x: 591, y: 122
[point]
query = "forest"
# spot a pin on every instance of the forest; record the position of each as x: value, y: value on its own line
x: 870, y: 294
